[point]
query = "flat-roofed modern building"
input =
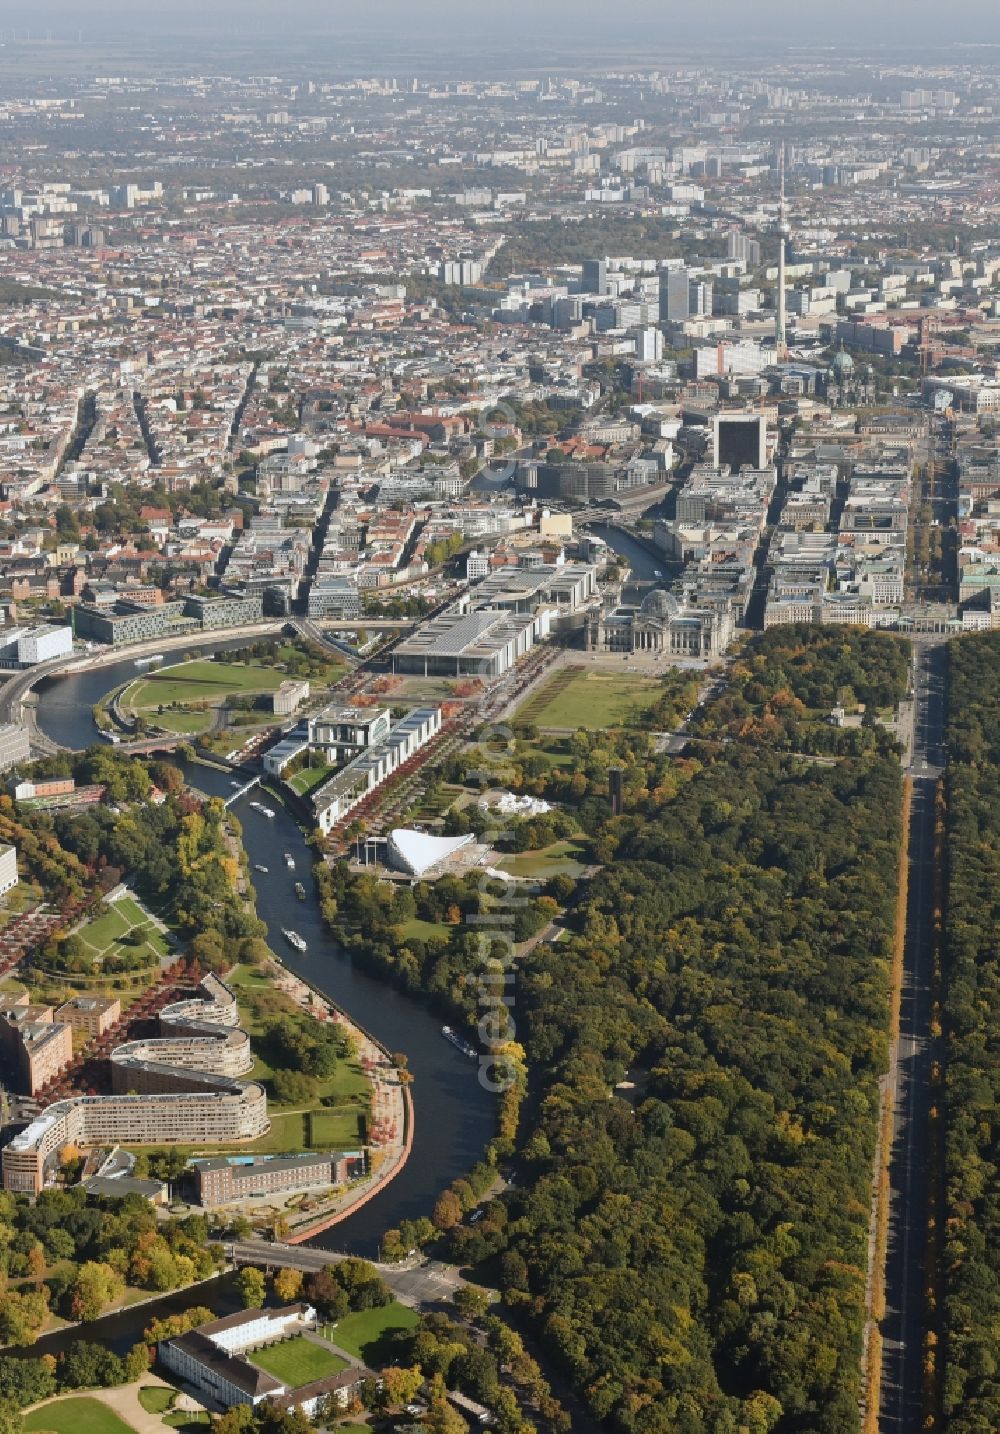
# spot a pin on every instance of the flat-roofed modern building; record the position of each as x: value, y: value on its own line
x: 337, y: 797
x: 344, y: 731
x: 129, y: 622
x: 485, y: 643
x: 14, y: 746
x: 215, y: 1116
x: 334, y: 596
x: 230, y: 608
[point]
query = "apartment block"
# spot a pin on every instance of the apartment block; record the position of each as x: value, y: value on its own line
x: 91, y: 1016
x: 36, y: 1046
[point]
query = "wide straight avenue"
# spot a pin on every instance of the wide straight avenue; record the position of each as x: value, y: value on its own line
x: 904, y: 1327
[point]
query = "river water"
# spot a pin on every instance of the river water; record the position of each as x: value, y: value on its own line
x: 454, y: 1116
x: 642, y: 562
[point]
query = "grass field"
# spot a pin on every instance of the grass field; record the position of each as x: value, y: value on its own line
x: 425, y: 930
x: 309, y: 778
x: 75, y: 1415
x: 199, y: 681
x: 368, y: 1333
x: 561, y: 856
x: 335, y: 1128
x: 156, y: 1398
x: 105, y: 934
x: 298, y: 1361
x: 576, y: 698
x: 185, y: 724
x: 348, y: 1085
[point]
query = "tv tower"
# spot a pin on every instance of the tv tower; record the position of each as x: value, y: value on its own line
x: 780, y: 344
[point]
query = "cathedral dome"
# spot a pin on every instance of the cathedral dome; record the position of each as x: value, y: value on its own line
x: 843, y: 366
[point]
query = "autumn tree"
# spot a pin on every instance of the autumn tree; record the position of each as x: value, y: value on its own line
x: 252, y: 1287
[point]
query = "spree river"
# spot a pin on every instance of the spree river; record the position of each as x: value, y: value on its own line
x: 454, y: 1116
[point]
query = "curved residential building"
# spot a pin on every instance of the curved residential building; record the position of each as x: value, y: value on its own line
x: 201, y: 1039
x: 178, y: 1089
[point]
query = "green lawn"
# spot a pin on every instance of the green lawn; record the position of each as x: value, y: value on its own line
x: 156, y: 1398
x: 298, y: 1361
x: 561, y: 856
x: 368, y: 1333
x: 247, y: 976
x: 578, y: 698
x: 200, y: 681
x: 105, y: 933
x: 76, y: 1414
x: 308, y: 778
x: 425, y: 930
x: 185, y: 724
x: 335, y: 1128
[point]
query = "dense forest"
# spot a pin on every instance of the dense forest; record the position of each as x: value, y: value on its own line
x: 971, y: 1009
x: 689, y: 1235
x: 786, y: 685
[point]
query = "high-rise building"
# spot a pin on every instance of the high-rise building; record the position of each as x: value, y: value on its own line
x: 320, y: 194
x: 648, y: 344
x: 742, y: 247
x: 739, y: 440
x: 699, y: 297
x: 595, y: 276
x: 675, y: 298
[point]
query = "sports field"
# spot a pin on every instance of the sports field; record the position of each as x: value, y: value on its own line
x: 75, y: 1415
x: 298, y: 1361
x: 120, y: 919
x: 576, y: 697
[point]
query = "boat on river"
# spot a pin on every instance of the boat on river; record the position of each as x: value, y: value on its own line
x: 459, y: 1042
x: 294, y: 939
x: 289, y: 861
x: 300, y: 891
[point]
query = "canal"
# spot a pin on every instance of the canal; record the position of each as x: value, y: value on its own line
x: 454, y: 1116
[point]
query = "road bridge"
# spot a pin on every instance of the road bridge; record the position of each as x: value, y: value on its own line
x: 414, y: 1282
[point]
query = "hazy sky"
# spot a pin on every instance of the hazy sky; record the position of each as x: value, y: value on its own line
x: 856, y: 23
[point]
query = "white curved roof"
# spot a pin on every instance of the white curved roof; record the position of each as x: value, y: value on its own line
x: 416, y: 852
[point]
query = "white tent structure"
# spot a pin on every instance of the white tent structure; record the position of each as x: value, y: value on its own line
x: 415, y: 852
